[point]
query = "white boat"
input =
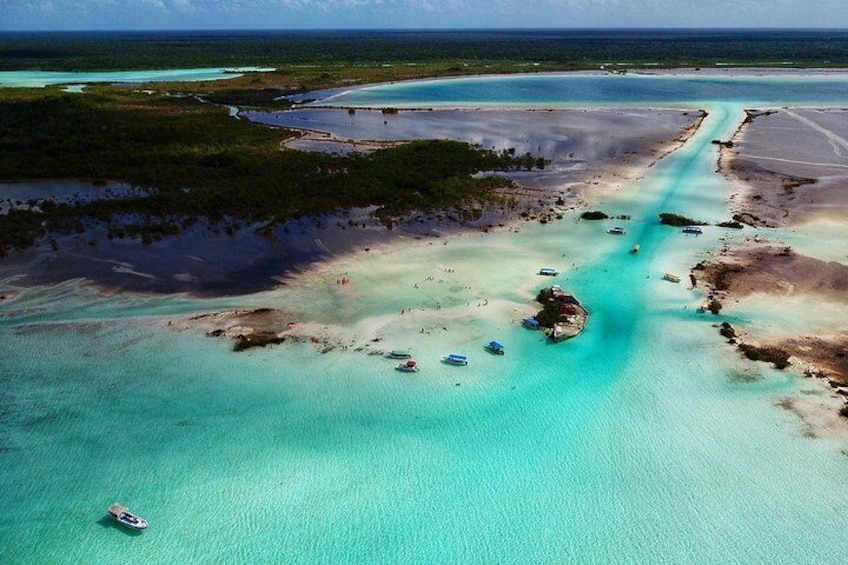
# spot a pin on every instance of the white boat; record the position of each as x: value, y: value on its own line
x: 693, y: 229
x: 548, y: 272
x: 557, y: 333
x: 617, y: 231
x: 122, y: 515
x: 456, y: 359
x: 408, y: 367
x: 671, y: 277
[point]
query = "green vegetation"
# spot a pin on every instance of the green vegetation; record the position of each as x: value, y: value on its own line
x: 553, y: 306
x: 714, y: 306
x: 594, y: 215
x: 194, y: 161
x: 778, y: 357
x: 456, y: 50
x: 679, y: 221
x: 844, y: 411
x: 734, y: 224
x: 260, y: 338
x: 549, y: 314
x: 268, y: 98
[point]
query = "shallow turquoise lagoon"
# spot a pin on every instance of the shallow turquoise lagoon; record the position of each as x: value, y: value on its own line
x: 39, y: 79
x: 644, y: 440
x: 633, y: 90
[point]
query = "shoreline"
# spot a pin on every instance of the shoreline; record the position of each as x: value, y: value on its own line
x: 770, y: 272
x: 194, y: 263
x: 327, y: 239
x: 642, y: 71
x: 794, y: 188
x: 790, y: 188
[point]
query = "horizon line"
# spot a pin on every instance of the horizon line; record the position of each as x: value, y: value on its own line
x: 433, y: 29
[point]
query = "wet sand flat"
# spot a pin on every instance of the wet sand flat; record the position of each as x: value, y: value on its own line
x: 795, y: 163
x: 590, y: 152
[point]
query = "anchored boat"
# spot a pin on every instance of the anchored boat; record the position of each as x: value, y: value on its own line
x: 692, y: 229
x: 399, y: 354
x: 408, y: 367
x: 617, y: 231
x: 548, y: 272
x: 495, y: 347
x: 671, y: 277
x: 456, y: 359
x: 122, y: 515
x: 531, y: 323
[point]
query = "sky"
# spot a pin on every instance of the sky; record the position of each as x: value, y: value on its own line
x: 396, y: 14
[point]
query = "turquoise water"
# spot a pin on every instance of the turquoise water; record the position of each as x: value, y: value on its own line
x: 39, y: 79
x: 644, y: 440
x: 552, y: 90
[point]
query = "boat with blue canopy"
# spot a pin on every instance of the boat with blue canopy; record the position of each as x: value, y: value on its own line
x: 531, y: 323
x: 456, y: 359
x: 495, y: 347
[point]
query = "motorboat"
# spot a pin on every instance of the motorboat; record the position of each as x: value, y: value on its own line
x: 495, y: 347
x: 456, y: 359
x: 399, y: 354
x: 122, y: 515
x: 617, y: 231
x: 671, y: 277
x: 408, y: 367
x: 548, y: 272
x: 692, y: 229
x: 635, y: 249
x: 531, y: 323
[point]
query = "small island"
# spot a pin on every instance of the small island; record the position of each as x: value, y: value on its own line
x: 561, y: 314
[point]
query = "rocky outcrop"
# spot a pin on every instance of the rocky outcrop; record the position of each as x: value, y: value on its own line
x: 257, y: 339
